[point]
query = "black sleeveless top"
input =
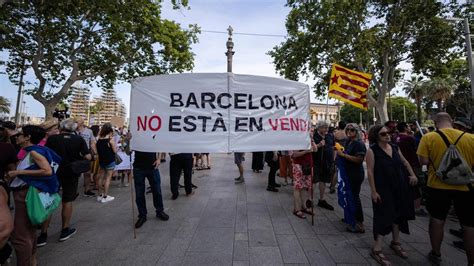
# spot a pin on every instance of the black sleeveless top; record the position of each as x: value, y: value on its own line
x: 106, y: 154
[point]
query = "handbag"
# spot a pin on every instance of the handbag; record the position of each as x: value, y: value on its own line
x: 118, y: 159
x: 80, y: 166
x: 40, y: 205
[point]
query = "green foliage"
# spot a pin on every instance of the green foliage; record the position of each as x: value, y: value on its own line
x: 4, y: 105
x: 461, y: 102
x: 397, y: 108
x: 93, y: 41
x: 416, y: 91
x: 373, y: 36
x: 351, y: 114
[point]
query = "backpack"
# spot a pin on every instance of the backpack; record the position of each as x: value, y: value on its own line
x: 453, y: 168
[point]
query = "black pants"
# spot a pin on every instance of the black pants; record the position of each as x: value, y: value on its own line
x: 274, y: 166
x: 356, y: 183
x: 179, y: 163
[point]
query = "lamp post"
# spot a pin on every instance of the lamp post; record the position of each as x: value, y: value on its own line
x: 468, y: 49
x: 230, y: 52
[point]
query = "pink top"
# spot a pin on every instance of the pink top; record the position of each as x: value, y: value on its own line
x: 22, y: 153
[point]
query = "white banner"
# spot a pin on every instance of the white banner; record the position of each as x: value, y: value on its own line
x: 218, y: 112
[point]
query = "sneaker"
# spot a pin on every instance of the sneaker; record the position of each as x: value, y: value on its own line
x: 42, y: 240
x: 162, y: 216
x: 277, y: 185
x: 421, y: 213
x: 66, y: 233
x: 99, y: 198
x: 457, y: 233
x: 237, y: 178
x: 126, y: 185
x: 323, y: 204
x: 272, y: 189
x: 89, y: 194
x: 434, y: 259
x: 107, y: 199
x: 459, y: 244
x: 240, y: 180
x: 174, y: 196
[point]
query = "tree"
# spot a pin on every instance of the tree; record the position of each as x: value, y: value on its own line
x: 371, y: 36
x: 461, y: 102
x: 91, y: 41
x: 351, y: 114
x: 4, y: 105
x: 397, y: 108
x: 439, y: 90
x: 414, y: 89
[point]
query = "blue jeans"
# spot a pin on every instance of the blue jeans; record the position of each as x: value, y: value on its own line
x: 153, y: 176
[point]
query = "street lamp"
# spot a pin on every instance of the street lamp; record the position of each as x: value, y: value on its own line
x: 468, y: 48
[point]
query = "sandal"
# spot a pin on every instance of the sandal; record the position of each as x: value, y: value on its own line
x: 378, y: 256
x: 397, y: 247
x: 307, y: 211
x: 299, y: 214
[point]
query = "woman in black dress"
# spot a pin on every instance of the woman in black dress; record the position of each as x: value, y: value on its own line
x: 392, y: 200
x: 257, y: 161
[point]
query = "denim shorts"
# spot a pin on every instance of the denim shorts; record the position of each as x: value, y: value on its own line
x: 110, y: 166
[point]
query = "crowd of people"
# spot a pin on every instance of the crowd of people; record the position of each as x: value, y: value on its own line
x: 401, y: 163
x: 53, y: 156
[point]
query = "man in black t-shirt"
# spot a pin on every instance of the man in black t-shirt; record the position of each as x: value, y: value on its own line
x: 323, y: 161
x: 71, y: 148
x: 146, y: 164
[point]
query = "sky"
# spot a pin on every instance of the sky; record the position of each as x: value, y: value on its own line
x: 245, y: 16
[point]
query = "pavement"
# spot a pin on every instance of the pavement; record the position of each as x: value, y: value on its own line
x: 227, y: 224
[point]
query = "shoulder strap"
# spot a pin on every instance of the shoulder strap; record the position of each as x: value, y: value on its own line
x: 445, y: 139
x: 456, y: 142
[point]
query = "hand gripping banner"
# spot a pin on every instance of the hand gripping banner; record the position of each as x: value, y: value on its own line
x: 218, y: 112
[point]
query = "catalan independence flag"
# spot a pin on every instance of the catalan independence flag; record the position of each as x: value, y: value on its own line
x: 349, y: 86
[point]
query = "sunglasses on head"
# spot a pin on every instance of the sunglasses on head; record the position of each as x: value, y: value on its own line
x: 384, y: 134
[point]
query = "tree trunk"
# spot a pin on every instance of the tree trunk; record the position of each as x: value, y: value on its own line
x: 49, y: 107
x: 418, y: 112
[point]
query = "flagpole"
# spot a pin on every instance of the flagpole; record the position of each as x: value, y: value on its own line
x: 327, y: 107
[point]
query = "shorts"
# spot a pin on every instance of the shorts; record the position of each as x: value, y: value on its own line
x: 69, y: 183
x: 109, y: 166
x: 300, y: 180
x: 438, y: 203
x: 239, y: 157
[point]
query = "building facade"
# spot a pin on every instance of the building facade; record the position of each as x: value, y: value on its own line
x: 105, y: 107
x: 79, y: 103
x: 322, y: 112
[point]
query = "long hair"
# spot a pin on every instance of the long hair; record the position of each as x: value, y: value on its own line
x: 106, y: 130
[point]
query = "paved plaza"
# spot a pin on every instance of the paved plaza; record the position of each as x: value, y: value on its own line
x: 226, y: 224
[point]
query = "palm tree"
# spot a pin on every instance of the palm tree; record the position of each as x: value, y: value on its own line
x: 4, y: 105
x: 439, y: 90
x: 415, y: 90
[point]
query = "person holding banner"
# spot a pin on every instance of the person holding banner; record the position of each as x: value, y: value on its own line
x: 391, y: 193
x: 353, y: 157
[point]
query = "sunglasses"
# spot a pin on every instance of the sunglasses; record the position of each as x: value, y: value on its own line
x: 351, y: 129
x: 384, y: 134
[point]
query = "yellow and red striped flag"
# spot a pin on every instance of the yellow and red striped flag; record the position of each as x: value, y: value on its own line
x: 349, y: 86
